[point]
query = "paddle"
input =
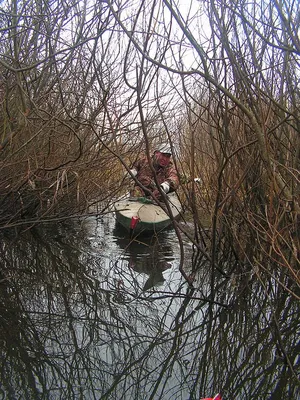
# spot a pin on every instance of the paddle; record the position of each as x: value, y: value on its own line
x: 133, y: 223
x: 217, y: 397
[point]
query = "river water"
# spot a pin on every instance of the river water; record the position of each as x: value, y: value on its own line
x: 87, y: 314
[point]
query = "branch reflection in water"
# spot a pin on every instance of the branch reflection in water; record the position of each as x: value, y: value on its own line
x: 85, y: 314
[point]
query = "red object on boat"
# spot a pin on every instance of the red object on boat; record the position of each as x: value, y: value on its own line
x: 133, y: 224
x: 217, y: 397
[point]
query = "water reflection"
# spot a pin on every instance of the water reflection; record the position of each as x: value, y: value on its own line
x: 146, y: 255
x: 79, y: 321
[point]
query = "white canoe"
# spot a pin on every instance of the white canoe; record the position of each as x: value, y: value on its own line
x: 142, y: 215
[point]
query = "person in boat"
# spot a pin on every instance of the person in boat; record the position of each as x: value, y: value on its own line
x: 162, y: 172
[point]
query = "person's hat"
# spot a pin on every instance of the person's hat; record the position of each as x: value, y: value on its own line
x: 164, y: 148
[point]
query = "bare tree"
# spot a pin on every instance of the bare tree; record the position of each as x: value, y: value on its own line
x: 234, y: 78
x: 85, y: 87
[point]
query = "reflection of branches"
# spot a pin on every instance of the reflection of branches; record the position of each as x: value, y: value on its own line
x: 61, y: 324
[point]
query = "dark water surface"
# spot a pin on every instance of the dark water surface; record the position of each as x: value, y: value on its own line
x: 87, y: 315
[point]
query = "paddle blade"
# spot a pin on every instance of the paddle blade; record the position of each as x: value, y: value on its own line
x: 217, y: 397
x: 133, y: 222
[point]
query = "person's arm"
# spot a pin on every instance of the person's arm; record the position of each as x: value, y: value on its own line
x: 135, y: 167
x: 172, y: 181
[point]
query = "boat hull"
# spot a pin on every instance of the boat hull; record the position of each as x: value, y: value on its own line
x: 150, y: 217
